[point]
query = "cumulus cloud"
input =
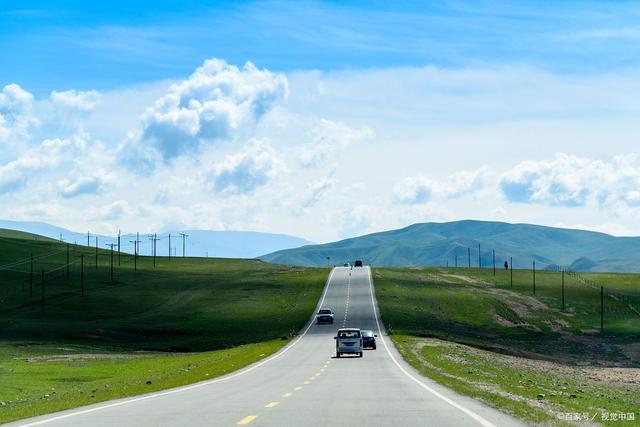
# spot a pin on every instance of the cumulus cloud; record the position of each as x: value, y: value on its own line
x: 568, y: 180
x: 49, y: 154
x: 218, y: 101
x: 420, y: 189
x: 15, y: 112
x: 414, y: 189
x: 329, y: 138
x: 243, y: 172
x: 317, y: 191
x: 76, y: 100
x: 92, y: 184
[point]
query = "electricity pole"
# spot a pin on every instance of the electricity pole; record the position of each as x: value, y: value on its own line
x: 184, y: 236
x: 118, y: 248
x: 135, y: 253
x: 88, y: 242
x: 469, y: 257
x: 494, y: 262
x: 169, y: 246
x: 154, y: 239
x: 111, y: 245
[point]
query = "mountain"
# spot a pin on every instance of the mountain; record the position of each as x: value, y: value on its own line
x: 199, y: 243
x: 435, y: 244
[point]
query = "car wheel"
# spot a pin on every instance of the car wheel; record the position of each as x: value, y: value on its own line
x: 338, y: 355
x: 360, y: 354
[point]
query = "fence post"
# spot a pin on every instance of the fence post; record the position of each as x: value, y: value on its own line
x: 563, y: 289
x: 534, y: 277
x: 494, y: 262
x: 42, y: 295
x: 469, y: 256
x: 511, y: 271
x: 601, y: 309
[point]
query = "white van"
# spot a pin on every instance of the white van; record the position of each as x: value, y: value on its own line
x: 348, y: 341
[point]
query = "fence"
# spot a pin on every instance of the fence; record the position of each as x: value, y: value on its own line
x: 605, y: 305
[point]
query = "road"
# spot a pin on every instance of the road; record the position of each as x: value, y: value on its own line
x: 304, y: 384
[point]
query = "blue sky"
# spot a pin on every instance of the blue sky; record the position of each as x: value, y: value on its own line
x: 98, y: 45
x: 319, y: 119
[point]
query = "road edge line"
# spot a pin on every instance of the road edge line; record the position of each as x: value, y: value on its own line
x: 376, y: 313
x: 181, y: 389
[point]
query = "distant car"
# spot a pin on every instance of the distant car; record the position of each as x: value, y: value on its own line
x: 358, y: 263
x: 348, y: 341
x: 325, y: 315
x: 346, y: 264
x: 368, y: 339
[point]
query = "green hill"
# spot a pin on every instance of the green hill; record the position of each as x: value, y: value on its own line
x: 436, y: 244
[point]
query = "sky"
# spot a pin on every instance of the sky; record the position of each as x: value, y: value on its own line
x: 322, y: 120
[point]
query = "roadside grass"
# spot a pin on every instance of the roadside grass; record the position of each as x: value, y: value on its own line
x: 202, y: 311
x: 516, y: 352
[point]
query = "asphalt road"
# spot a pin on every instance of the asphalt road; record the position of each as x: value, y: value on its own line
x: 304, y: 384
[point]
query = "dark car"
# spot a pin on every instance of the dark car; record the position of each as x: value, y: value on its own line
x: 358, y: 263
x: 368, y: 339
x: 325, y: 315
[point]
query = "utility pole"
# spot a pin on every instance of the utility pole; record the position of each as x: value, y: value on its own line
x: 328, y: 262
x: 169, y: 246
x: 469, y: 257
x: 88, y: 242
x: 82, y: 275
x: 601, y: 309
x: 118, y: 247
x: 31, y: 278
x: 61, y: 237
x: 563, y: 289
x: 153, y: 239
x: 511, y: 270
x: 534, y: 277
x: 184, y: 236
x: 135, y: 253
x: 96, y: 252
x: 111, y: 245
x: 494, y: 262
x: 67, y: 261
x: 42, y: 295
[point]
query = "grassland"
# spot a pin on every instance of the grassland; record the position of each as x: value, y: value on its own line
x: 184, y: 320
x: 468, y: 330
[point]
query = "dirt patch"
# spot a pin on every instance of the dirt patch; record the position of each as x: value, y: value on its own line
x: 459, y: 277
x: 509, y: 324
x: 82, y: 357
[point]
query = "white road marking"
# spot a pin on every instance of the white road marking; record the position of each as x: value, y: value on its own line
x: 196, y: 385
x: 470, y: 413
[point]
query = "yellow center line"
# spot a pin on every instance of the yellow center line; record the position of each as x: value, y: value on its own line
x: 246, y: 420
x: 287, y: 395
x: 271, y: 405
x: 298, y: 388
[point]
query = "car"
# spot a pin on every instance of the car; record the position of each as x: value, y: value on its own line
x: 348, y: 341
x: 358, y: 263
x: 325, y: 315
x: 346, y: 264
x: 368, y: 339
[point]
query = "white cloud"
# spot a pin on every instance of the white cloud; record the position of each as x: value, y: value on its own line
x: 568, y: 180
x: 327, y: 139
x: 317, y: 191
x: 90, y: 184
x: 414, y: 189
x: 15, y: 113
x: 218, y: 101
x: 243, y: 172
x: 76, y: 100
x: 51, y: 153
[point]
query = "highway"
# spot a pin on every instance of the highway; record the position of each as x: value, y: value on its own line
x: 304, y: 384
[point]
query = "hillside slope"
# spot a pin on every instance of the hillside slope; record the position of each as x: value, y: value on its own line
x: 435, y: 244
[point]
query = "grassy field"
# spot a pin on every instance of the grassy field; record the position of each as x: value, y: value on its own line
x: 471, y: 332
x: 181, y: 321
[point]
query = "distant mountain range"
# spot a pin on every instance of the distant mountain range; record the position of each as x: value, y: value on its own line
x: 436, y: 244
x: 199, y: 243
